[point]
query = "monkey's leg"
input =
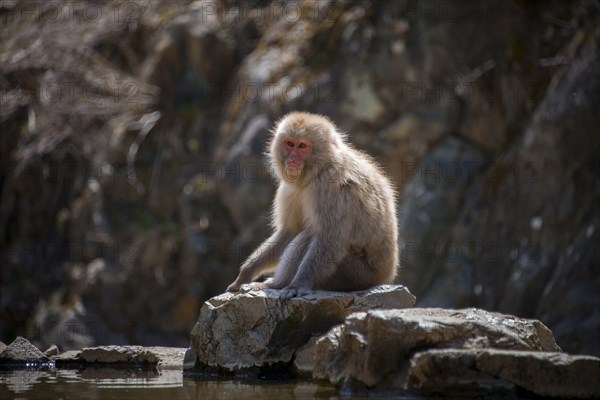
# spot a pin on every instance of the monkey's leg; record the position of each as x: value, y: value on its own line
x: 290, y: 260
x: 318, y: 265
x: 352, y: 273
x: 263, y: 258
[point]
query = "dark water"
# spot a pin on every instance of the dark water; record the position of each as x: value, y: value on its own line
x: 109, y: 383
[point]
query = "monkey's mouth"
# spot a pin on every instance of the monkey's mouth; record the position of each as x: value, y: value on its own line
x: 293, y: 171
x: 295, y: 167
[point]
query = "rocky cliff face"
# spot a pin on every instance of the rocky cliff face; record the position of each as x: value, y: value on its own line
x: 132, y: 137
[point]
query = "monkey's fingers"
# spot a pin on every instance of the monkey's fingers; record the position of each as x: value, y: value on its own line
x: 234, y: 287
x: 288, y: 293
x: 293, y: 291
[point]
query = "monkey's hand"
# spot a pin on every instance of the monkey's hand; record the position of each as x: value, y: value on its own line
x: 239, y: 281
x: 294, y: 291
x: 234, y: 287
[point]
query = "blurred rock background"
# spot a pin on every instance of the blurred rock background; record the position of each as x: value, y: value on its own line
x: 132, y: 176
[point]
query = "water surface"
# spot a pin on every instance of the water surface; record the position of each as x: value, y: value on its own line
x: 138, y: 384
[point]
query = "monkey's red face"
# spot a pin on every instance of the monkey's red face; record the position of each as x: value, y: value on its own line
x: 296, y: 153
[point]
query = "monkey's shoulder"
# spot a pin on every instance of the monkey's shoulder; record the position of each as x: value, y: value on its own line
x: 361, y: 171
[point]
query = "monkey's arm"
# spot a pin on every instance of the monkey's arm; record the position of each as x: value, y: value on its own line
x: 265, y: 256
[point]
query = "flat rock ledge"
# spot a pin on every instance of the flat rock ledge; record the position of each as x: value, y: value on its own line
x: 153, y: 356
x: 21, y: 353
x: 431, y: 351
x: 256, y: 332
x: 548, y: 374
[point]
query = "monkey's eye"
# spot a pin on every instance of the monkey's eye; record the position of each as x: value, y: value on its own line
x: 302, y: 145
x: 291, y: 144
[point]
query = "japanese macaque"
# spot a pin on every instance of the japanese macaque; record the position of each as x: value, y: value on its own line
x: 334, y: 215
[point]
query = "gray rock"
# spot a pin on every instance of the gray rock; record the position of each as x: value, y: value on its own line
x: 169, y: 357
x: 527, y: 232
x: 543, y: 373
x: 246, y: 185
x: 119, y: 354
x: 68, y: 357
x: 164, y: 358
x: 374, y: 348
x: 51, y: 351
x: 245, y: 330
x: 362, y: 101
x: 304, y: 360
x: 2, y: 346
x: 21, y: 351
x: 189, y: 359
x: 404, y: 143
x: 429, y: 206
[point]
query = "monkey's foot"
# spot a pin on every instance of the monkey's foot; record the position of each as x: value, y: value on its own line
x: 293, y: 291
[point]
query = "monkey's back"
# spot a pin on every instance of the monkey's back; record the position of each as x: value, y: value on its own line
x: 367, y: 199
